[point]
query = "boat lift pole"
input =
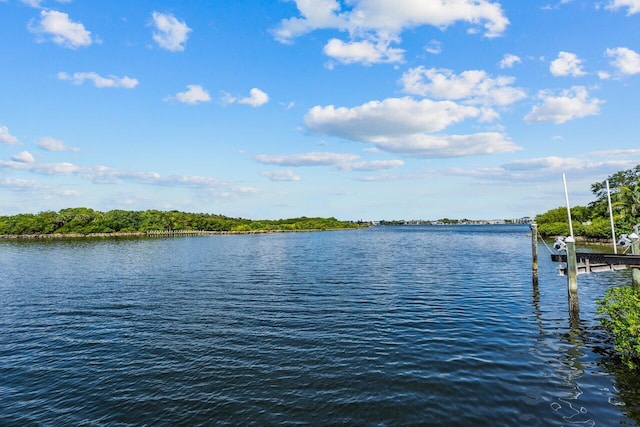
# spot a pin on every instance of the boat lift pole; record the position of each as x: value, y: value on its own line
x: 613, y: 230
x: 572, y: 263
x: 534, y: 252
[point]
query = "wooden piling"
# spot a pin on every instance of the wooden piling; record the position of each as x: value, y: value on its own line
x: 572, y: 273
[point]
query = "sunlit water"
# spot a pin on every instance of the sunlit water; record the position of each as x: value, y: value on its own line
x: 384, y: 326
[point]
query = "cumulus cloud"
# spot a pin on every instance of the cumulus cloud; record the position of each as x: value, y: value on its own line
x: 434, y: 47
x: 51, y: 144
x: 98, y: 80
x: 195, y: 94
x: 544, y: 169
x: 23, y: 157
x: 365, y: 52
x: 256, y: 98
x: 106, y: 175
x: 374, y: 24
x: 32, y: 3
x: 405, y: 126
x: 62, y: 30
x: 625, y: 60
x: 509, y: 60
x: 281, y: 175
x: 473, y: 86
x: 375, y: 165
x: 552, y: 165
x: 392, y: 116
x: 633, y: 6
x: 570, y: 104
x: 567, y: 64
x: 170, y: 33
x: 23, y: 185
x: 306, y: 159
x: 443, y: 146
x: 6, y: 137
x: 345, y: 162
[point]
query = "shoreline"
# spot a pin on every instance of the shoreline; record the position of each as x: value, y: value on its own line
x: 54, y: 236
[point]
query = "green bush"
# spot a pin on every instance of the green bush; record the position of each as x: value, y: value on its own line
x: 621, y: 309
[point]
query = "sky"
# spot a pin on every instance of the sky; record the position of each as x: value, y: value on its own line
x: 357, y: 109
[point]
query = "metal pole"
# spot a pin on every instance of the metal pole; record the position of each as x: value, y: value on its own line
x: 566, y: 196
x: 613, y: 230
x: 534, y: 252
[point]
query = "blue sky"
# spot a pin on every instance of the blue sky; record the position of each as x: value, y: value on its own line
x: 358, y: 109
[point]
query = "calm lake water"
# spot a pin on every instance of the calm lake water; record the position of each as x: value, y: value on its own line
x: 385, y: 326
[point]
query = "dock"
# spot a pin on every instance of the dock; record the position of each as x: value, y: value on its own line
x: 589, y: 262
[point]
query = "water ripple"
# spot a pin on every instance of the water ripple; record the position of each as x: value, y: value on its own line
x: 386, y: 326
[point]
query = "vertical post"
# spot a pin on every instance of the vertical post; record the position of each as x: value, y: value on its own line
x: 572, y: 273
x: 635, y: 250
x: 534, y: 252
x: 566, y: 197
x: 613, y: 229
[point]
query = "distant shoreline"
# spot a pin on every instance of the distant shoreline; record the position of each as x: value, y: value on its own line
x: 154, y: 234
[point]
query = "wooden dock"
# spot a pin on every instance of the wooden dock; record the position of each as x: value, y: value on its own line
x: 589, y: 262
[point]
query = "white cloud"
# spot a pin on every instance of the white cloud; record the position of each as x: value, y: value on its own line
x: 256, y: 98
x: 616, y: 153
x: 99, y: 81
x: 170, y: 33
x: 32, y: 3
x: 375, y: 165
x: 509, y: 60
x: 434, y: 47
x: 373, y: 25
x: 51, y: 144
x: 402, y: 125
x: 106, y: 175
x: 35, y: 187
x: 625, y: 60
x: 61, y: 29
x: 443, y: 146
x: 42, y: 168
x: 365, y: 52
x: 36, y: 3
x: 473, y: 86
x: 306, y: 159
x: 544, y: 169
x: 345, y: 162
x: 194, y: 94
x: 23, y: 157
x: 281, y: 175
x: 6, y: 137
x: 567, y: 64
x: 395, y: 116
x: 632, y: 5
x: 571, y: 104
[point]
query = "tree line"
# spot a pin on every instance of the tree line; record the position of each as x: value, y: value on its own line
x: 83, y: 220
x: 593, y: 220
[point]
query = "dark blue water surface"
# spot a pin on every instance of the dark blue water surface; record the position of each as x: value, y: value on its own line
x: 384, y: 326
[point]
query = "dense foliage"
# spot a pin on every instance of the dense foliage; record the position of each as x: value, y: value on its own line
x: 87, y: 221
x: 621, y: 307
x: 593, y: 220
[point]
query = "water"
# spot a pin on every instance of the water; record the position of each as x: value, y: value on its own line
x: 386, y: 326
